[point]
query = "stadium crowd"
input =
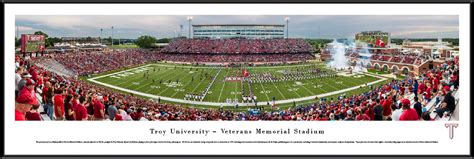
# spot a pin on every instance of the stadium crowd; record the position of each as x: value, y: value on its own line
x: 64, y: 98
x: 90, y: 62
x: 238, y: 46
x: 235, y: 58
x: 93, y: 62
x: 398, y: 57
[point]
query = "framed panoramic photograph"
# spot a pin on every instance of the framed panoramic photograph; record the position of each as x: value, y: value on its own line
x: 282, y: 79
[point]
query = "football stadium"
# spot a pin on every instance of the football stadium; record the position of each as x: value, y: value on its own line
x: 238, y: 72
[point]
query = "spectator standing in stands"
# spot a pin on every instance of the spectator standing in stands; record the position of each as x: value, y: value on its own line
x: 349, y: 116
x: 25, y: 77
x: 32, y: 113
x: 126, y: 115
x: 378, y: 111
x: 409, y: 114
x: 48, y: 93
x: 80, y: 112
x: 396, y: 112
x: 415, y: 87
x: 24, y: 103
x: 59, y: 104
x: 112, y: 111
x: 99, y: 108
x: 361, y: 116
x: 387, y: 111
x: 417, y: 106
x: 370, y: 110
x: 90, y: 108
x: 68, y: 108
x: 18, y: 78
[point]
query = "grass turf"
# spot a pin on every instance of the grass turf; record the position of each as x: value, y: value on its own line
x: 177, y: 80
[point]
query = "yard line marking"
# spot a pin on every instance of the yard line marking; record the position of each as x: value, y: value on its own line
x: 278, y: 90
x: 184, y: 86
x: 169, y: 87
x: 220, y: 94
x: 93, y: 78
x: 264, y: 92
x: 321, y: 88
x: 236, y: 89
x: 312, y: 93
x: 164, y: 73
x: 212, y: 83
x: 330, y: 85
x: 197, y: 86
x: 127, y: 79
x: 287, y: 87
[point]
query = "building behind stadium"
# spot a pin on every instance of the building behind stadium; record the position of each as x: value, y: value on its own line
x: 250, y: 31
x: 407, y: 58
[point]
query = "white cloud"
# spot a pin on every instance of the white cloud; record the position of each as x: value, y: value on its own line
x: 129, y: 22
x: 333, y: 26
x: 25, y: 28
x: 417, y: 30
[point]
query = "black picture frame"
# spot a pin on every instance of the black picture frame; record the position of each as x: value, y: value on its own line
x: 226, y: 2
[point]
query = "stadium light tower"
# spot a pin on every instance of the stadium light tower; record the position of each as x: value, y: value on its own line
x: 190, y: 18
x: 287, y: 19
x: 112, y: 35
x: 181, y: 30
x: 16, y: 32
x: 100, y: 38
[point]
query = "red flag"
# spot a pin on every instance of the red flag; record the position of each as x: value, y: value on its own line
x: 380, y: 43
x: 41, y: 48
x: 245, y: 73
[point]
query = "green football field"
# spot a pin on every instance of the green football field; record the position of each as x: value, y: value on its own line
x: 175, y: 80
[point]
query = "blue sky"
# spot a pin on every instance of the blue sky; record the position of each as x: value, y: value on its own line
x: 300, y: 26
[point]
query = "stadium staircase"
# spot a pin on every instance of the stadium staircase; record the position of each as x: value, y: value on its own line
x: 54, y: 66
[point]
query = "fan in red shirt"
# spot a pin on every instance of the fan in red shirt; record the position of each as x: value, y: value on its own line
x: 402, y: 90
x: 80, y: 109
x: 33, y: 115
x: 99, y: 109
x: 45, y: 89
x: 453, y: 78
x: 139, y: 114
x: 24, y: 102
x: 59, y: 104
x: 75, y: 100
x: 409, y: 114
x: 446, y: 89
x: 387, y: 110
x: 118, y: 116
x: 428, y: 92
x: 421, y: 88
x: 361, y: 116
x: 370, y: 111
x: 33, y: 73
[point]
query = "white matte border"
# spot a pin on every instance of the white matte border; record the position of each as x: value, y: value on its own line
x: 20, y: 137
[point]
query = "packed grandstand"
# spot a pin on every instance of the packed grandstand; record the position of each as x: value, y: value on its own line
x: 49, y: 87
